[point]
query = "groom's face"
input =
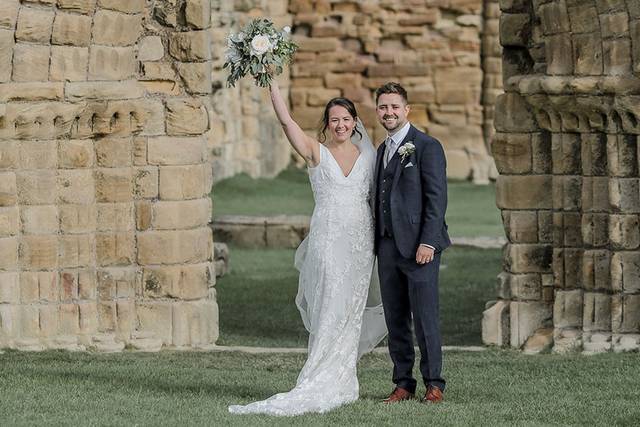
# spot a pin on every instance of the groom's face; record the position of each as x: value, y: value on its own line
x: 392, y: 111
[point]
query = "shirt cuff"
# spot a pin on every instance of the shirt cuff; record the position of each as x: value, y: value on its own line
x: 429, y: 246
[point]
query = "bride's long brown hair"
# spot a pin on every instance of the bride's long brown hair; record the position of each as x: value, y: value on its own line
x: 324, y: 123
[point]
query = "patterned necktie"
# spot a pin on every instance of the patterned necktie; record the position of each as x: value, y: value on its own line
x: 388, y: 152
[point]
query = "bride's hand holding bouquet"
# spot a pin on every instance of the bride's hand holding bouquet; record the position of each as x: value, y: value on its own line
x: 260, y: 50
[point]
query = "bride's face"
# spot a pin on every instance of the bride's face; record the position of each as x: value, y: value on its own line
x: 341, y: 123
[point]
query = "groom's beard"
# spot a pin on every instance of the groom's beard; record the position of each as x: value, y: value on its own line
x: 390, y: 127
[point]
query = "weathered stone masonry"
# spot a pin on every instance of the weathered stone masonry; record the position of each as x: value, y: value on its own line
x: 105, y: 175
x: 567, y: 151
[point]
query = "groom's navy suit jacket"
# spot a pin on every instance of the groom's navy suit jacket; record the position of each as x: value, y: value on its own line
x: 417, y: 197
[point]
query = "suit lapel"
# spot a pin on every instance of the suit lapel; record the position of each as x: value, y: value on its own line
x: 396, y: 174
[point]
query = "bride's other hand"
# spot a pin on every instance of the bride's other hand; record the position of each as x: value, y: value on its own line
x: 307, y: 147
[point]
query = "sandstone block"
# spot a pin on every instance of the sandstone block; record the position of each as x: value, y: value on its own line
x: 556, y: 48
x: 106, y: 316
x: 37, y: 187
x: 71, y: 29
x: 190, y: 46
x: 113, y: 152
x: 554, y: 17
x: 198, y: 13
x: 104, y: 90
x: 88, y: 313
x: 127, y: 6
x: 82, y: 6
x: 524, y: 192
x: 69, y: 318
x: 512, y: 152
x: 515, y: 29
x: 76, y: 186
x: 115, y: 28
x: 9, y: 14
x: 38, y: 252
x: 635, y: 43
x: 114, y: 185
x: 586, y: 54
x: 625, y: 271
x: 624, y: 195
x: 28, y: 91
x: 111, y: 63
x: 139, y: 151
x: 526, y: 318
x: 156, y: 319
x: 495, y: 324
x: 342, y: 80
x: 77, y: 218
x: 38, y: 155
x: 521, y: 226
x: 115, y: 217
x: 567, y: 309
x: 6, y: 53
x: 77, y: 250
x: 150, y: 48
x: 528, y: 258
x: 8, y: 189
x: 617, y: 56
x: 75, y: 154
x: 622, y: 155
x: 597, y: 312
x: 145, y: 183
x: 584, y: 19
x: 30, y: 62
x: 186, y: 117
x: 143, y: 215
x: 9, y: 221
x: 118, y: 282
x: 566, y: 149
x: 173, y: 247
x: 9, y: 288
x: 614, y: 24
x: 567, y: 192
x: 183, y: 282
x: 196, y: 76
x: 625, y: 313
x: 8, y: 253
x: 115, y: 248
x: 185, y: 182
x: 595, y: 229
x: 176, y: 150
x: 513, y: 114
x: 34, y: 25
x: 29, y: 321
x: 68, y: 63
x: 195, y: 323
x: 39, y: 219
x: 182, y: 214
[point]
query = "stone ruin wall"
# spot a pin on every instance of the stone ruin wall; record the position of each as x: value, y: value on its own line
x: 105, y: 175
x: 437, y: 48
x: 432, y: 47
x: 567, y: 151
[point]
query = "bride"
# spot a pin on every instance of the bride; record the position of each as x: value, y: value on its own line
x: 335, y: 262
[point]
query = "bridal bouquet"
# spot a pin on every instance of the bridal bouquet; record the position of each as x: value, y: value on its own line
x: 260, y: 50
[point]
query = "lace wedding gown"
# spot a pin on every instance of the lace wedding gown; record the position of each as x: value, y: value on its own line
x: 343, y: 317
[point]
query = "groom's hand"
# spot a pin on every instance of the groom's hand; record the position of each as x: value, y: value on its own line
x: 424, y: 254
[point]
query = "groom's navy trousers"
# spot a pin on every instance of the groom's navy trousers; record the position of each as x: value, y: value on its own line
x: 407, y: 287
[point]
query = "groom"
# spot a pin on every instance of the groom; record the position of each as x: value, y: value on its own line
x: 410, y: 200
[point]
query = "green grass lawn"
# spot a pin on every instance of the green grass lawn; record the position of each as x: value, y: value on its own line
x: 195, y: 388
x: 257, y: 298
x: 471, y: 212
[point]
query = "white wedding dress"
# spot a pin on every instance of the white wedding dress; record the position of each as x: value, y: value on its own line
x: 343, y: 317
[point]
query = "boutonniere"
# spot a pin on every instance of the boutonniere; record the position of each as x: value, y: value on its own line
x: 406, y: 150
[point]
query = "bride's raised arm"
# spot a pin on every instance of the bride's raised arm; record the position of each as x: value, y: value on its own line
x: 307, y: 147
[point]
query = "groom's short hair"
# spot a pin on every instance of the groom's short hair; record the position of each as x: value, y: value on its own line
x: 392, y: 87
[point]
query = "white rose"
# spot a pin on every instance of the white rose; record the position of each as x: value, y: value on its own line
x: 260, y: 44
x: 287, y: 29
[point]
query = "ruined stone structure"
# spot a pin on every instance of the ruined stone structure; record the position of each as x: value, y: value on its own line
x: 436, y: 48
x: 567, y: 151
x: 105, y: 175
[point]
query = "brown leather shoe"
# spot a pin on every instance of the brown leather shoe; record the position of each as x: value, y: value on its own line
x: 398, y: 395
x: 433, y: 395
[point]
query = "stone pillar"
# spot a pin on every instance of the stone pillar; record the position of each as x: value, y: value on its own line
x: 105, y: 175
x: 571, y: 110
